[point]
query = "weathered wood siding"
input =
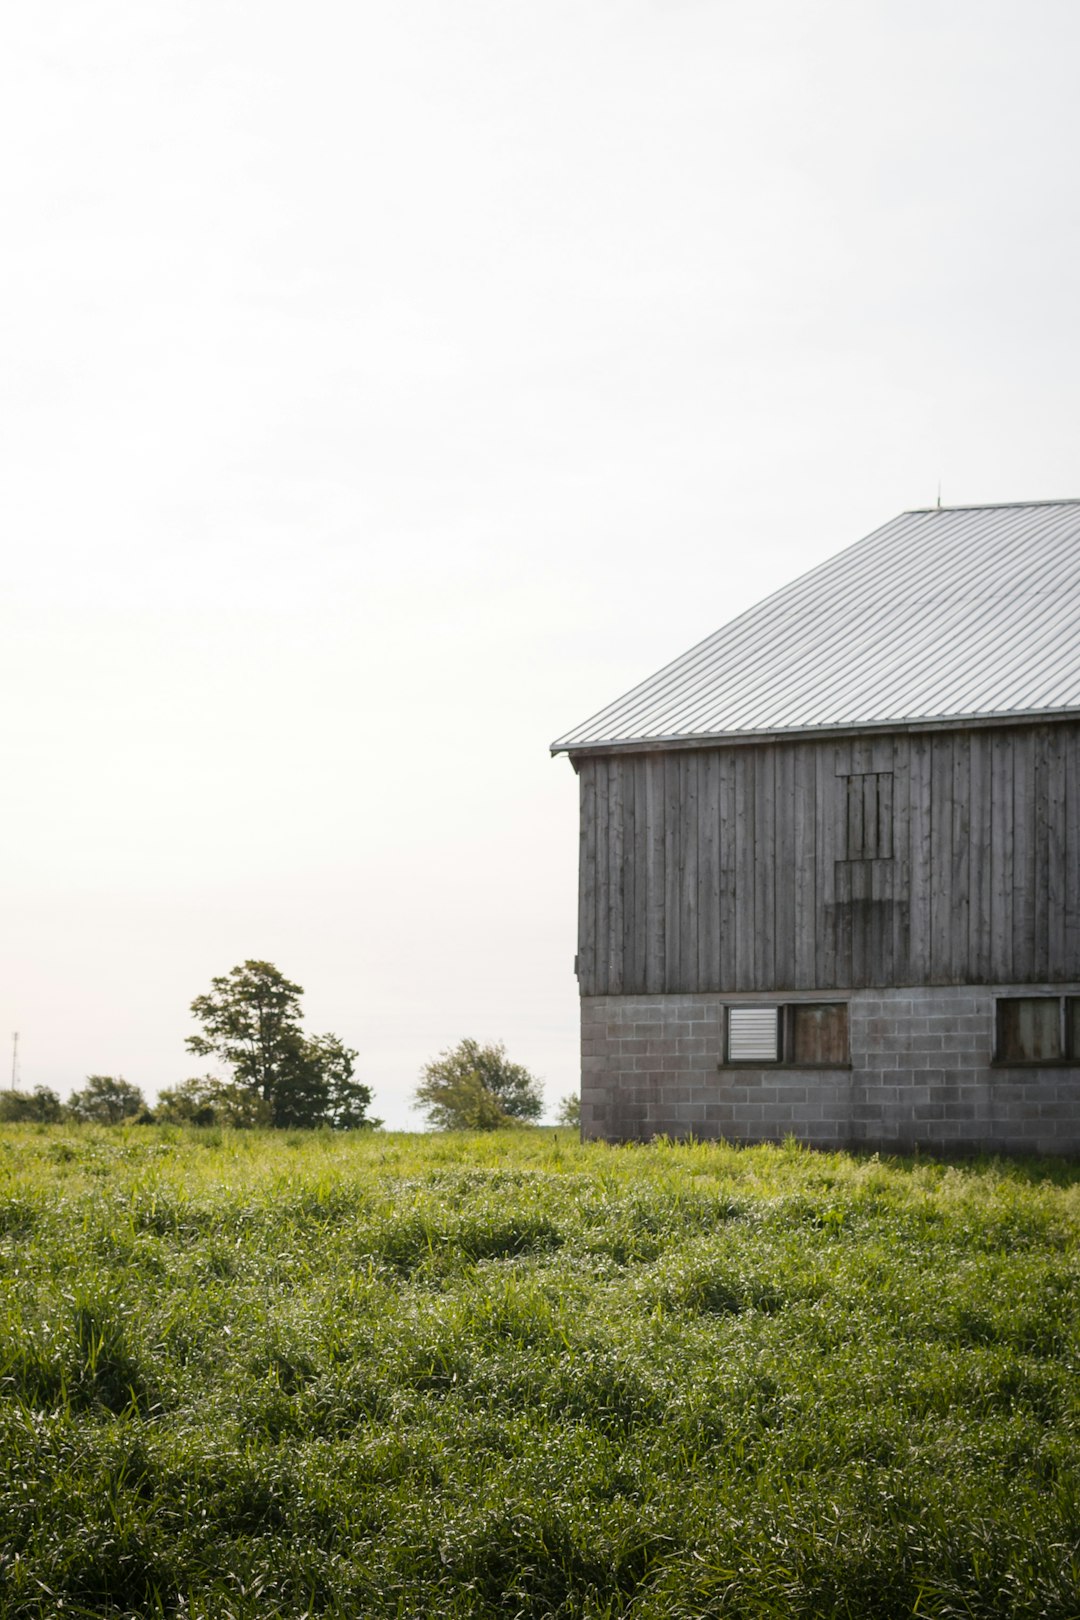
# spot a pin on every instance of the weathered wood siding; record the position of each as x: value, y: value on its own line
x: 941, y: 858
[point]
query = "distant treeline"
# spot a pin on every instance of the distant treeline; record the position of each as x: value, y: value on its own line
x: 280, y: 1077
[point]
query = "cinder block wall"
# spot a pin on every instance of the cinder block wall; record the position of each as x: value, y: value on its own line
x: 921, y: 1075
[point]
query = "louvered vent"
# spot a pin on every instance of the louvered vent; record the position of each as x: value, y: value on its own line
x: 753, y: 1034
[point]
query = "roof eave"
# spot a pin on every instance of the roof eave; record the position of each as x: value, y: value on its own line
x: 726, y: 739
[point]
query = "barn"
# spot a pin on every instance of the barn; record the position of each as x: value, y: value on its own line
x: 830, y: 857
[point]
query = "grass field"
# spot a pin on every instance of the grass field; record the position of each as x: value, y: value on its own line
x: 257, y: 1375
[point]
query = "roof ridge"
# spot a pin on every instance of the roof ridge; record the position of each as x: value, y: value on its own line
x: 987, y: 506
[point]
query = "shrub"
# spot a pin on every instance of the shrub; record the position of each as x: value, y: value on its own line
x: 105, y: 1100
x: 470, y: 1087
x: 204, y: 1100
x: 569, y: 1111
x: 40, y: 1105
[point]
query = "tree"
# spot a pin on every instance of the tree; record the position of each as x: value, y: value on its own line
x: 470, y: 1087
x: 189, y: 1103
x: 105, y: 1100
x: 40, y: 1105
x: 345, y: 1100
x: 205, y: 1100
x: 251, y: 1023
x: 569, y: 1111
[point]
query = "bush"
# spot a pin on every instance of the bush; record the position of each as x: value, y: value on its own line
x: 569, y: 1111
x: 204, y: 1100
x: 470, y: 1087
x: 40, y: 1105
x: 106, y: 1100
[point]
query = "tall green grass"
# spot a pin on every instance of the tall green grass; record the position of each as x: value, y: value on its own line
x: 280, y: 1375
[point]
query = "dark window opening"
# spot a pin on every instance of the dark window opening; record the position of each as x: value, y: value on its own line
x: 818, y: 1033
x: 1032, y: 1029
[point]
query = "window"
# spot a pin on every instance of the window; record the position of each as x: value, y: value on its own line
x: 818, y: 1033
x: 1038, y: 1029
x: 753, y: 1034
x: 802, y: 1034
x: 868, y: 822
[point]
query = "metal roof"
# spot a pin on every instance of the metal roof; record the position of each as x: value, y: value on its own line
x: 954, y: 613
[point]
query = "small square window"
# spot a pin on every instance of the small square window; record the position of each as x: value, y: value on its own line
x: 817, y: 1033
x: 1029, y: 1029
x: 753, y: 1035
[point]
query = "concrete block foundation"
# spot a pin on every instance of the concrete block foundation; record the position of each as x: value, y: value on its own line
x: 921, y: 1076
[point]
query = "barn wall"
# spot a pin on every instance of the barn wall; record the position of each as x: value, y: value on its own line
x: 933, y: 859
x: 921, y: 1074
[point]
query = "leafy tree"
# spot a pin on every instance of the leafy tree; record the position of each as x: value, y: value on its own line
x: 345, y: 1100
x: 205, y: 1100
x: 251, y: 1022
x: 189, y: 1103
x: 470, y: 1087
x: 40, y: 1105
x: 569, y: 1111
x: 105, y: 1100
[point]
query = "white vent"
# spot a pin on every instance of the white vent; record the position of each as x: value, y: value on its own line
x: 753, y: 1034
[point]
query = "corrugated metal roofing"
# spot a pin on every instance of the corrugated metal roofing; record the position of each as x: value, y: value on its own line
x: 961, y: 612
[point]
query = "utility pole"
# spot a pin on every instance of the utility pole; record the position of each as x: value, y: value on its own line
x: 14, y: 1059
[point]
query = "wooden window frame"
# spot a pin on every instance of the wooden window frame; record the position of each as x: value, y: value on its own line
x: 785, y: 1036
x: 1069, y: 1058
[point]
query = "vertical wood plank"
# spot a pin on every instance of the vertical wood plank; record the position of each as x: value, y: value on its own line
x: 639, y: 944
x: 920, y: 814
x: 882, y: 944
x: 655, y: 874
x: 1072, y: 851
x: 613, y: 936
x: 587, y: 879
x: 960, y: 874
x: 784, y: 862
x: 1040, y: 866
x: 804, y: 923
x: 745, y: 919
x: 1056, y: 873
x: 709, y: 870
x: 1001, y: 858
x: 979, y: 874
x: 871, y: 816
x: 880, y: 969
x: 1023, y: 752
x: 847, y: 802
x: 901, y: 810
x: 633, y: 883
x: 941, y: 780
x: 672, y: 872
x: 828, y: 800
x: 764, y: 868
x: 729, y: 972
x: 603, y: 878
x: 689, y: 919
x: 629, y: 877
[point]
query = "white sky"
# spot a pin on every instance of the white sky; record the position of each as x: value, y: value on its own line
x: 384, y: 387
